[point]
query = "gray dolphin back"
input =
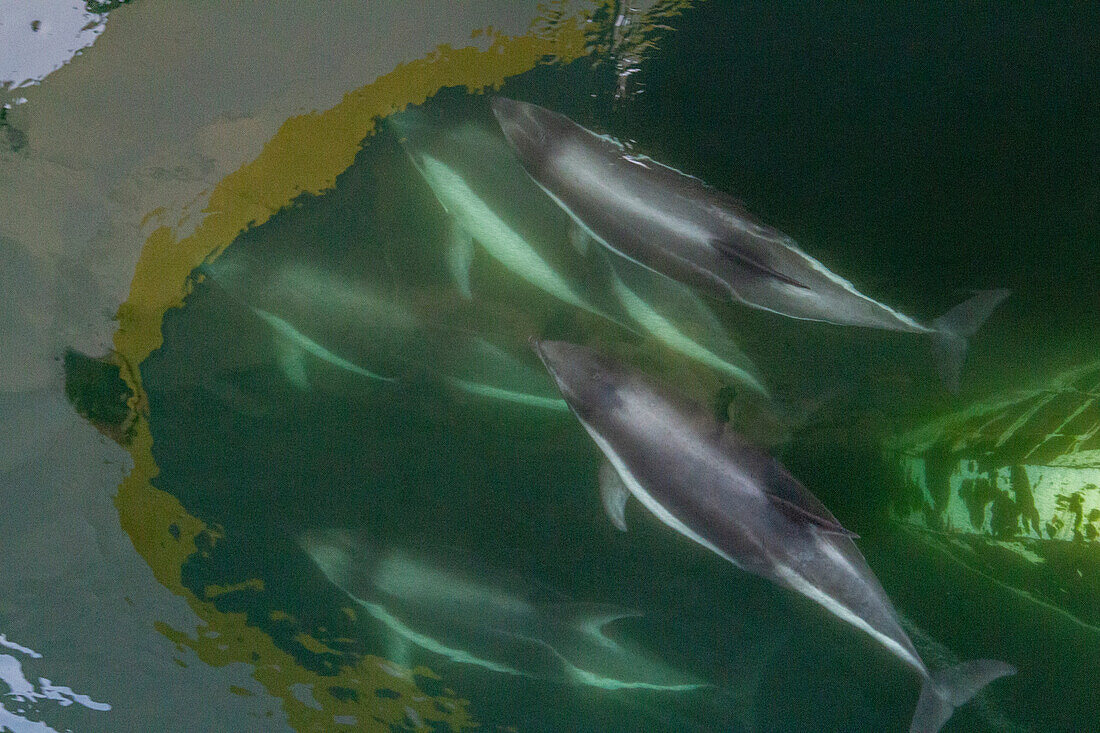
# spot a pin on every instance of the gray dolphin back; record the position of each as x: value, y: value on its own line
x: 678, y: 226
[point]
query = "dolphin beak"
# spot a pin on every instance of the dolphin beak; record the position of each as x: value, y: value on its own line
x: 524, y: 127
x: 545, y: 351
x: 506, y: 110
x: 537, y: 346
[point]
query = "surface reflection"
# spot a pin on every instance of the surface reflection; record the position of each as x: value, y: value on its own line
x: 21, y: 707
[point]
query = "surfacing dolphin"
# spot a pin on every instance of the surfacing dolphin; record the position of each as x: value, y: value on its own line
x: 678, y: 226
x: 712, y: 486
x: 454, y: 606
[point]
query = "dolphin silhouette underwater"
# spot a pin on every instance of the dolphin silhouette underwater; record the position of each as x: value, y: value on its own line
x: 454, y: 606
x: 319, y: 315
x: 474, y: 177
x: 678, y: 226
x: 715, y: 488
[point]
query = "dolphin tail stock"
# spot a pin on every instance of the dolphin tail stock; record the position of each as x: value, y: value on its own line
x: 953, y: 329
x: 950, y: 688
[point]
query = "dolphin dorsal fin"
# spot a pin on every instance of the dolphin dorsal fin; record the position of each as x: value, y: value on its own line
x: 752, y: 261
x: 796, y: 501
x: 800, y: 514
x: 580, y: 239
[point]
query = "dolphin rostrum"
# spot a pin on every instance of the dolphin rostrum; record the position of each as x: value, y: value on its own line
x: 678, y: 226
x: 715, y: 488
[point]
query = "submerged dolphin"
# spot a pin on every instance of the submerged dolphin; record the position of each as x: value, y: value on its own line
x: 487, y: 370
x: 472, y: 614
x: 349, y: 323
x: 676, y: 225
x: 713, y: 487
x: 474, y: 177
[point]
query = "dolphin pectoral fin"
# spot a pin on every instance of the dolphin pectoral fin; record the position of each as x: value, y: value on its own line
x: 460, y: 256
x: 752, y: 263
x: 799, y: 514
x: 399, y: 651
x: 613, y: 494
x: 292, y: 363
x: 580, y: 239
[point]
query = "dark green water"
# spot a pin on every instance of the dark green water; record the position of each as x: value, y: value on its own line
x: 921, y: 153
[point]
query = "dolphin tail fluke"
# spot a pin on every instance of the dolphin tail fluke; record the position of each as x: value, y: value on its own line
x: 950, y: 688
x: 591, y: 618
x: 954, y: 328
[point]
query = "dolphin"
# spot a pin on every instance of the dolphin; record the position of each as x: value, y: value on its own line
x: 347, y: 323
x: 355, y: 313
x: 678, y: 226
x: 295, y: 344
x: 715, y: 488
x: 475, y: 178
x: 456, y: 607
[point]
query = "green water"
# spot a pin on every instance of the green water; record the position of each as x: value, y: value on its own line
x: 921, y: 153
